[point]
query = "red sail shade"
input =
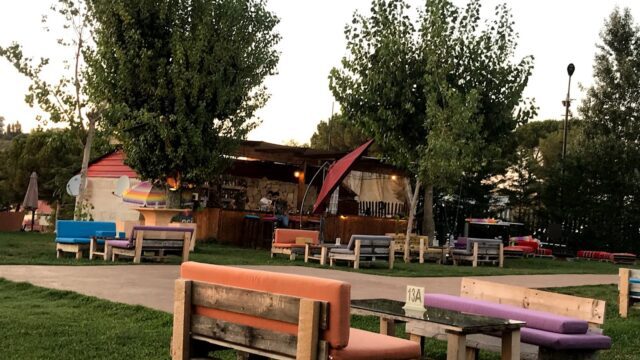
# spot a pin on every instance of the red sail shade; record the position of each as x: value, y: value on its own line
x: 337, y: 172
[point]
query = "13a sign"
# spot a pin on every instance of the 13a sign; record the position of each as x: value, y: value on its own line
x: 415, y: 298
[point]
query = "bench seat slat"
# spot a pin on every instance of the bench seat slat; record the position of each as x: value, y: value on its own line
x: 255, y: 338
x: 251, y: 302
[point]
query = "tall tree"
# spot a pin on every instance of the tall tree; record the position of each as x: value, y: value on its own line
x: 601, y: 186
x: 337, y: 134
x: 1, y: 126
x: 182, y: 79
x: 442, y: 98
x: 65, y: 101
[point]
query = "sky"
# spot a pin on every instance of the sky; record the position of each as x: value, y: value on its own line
x: 555, y: 32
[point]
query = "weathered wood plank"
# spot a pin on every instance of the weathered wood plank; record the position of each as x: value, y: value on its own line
x: 308, y: 330
x: 181, y: 340
x: 590, y: 310
x: 252, y: 338
x: 251, y: 302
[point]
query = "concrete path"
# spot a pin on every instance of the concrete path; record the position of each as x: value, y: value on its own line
x: 152, y: 285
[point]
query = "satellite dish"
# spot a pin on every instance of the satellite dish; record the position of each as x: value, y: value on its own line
x: 73, y: 186
x: 121, y: 185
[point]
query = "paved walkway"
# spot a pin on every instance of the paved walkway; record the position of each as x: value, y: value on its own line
x: 152, y: 285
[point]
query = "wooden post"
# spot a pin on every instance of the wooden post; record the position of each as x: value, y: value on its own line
x: 511, y: 345
x: 181, y: 341
x: 623, y: 291
x: 387, y: 326
x: 501, y: 255
x: 323, y: 255
x: 356, y: 261
x: 93, y: 243
x: 186, y: 245
x: 456, y: 347
x: 138, y: 248
x: 475, y: 254
x: 392, y: 254
x: 422, y: 247
x: 308, y: 330
x: 306, y: 252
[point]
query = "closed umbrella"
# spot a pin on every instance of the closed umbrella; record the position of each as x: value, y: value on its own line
x: 145, y: 194
x: 31, y: 197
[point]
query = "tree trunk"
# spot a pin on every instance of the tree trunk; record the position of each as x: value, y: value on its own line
x: 413, y: 198
x: 86, y: 156
x: 173, y: 198
x: 428, y: 223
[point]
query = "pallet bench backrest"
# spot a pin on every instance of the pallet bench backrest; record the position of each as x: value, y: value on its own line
x: 590, y: 310
x: 270, y: 313
x: 628, y: 289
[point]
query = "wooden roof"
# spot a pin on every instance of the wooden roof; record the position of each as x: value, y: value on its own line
x: 110, y: 166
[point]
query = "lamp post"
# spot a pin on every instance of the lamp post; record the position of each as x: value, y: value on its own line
x: 567, y: 103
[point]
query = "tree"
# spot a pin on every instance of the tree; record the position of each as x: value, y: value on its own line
x: 65, y: 101
x: 295, y: 143
x: 1, y: 126
x: 441, y: 99
x: 54, y: 154
x: 337, y: 134
x: 182, y: 80
x: 601, y: 186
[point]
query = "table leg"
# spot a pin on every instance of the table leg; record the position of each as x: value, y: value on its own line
x: 511, y: 345
x: 419, y: 339
x: 323, y: 255
x: 387, y: 326
x: 456, y: 347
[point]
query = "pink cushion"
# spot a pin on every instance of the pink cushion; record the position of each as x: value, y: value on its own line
x: 565, y: 341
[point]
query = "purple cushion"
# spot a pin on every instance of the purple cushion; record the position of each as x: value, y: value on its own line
x: 534, y: 319
x: 120, y: 244
x: 565, y: 341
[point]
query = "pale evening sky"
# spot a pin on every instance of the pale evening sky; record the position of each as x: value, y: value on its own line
x: 556, y: 32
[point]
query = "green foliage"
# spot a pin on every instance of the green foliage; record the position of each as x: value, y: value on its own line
x: 53, y: 154
x: 441, y: 99
x: 601, y: 186
x: 182, y: 79
x: 337, y: 134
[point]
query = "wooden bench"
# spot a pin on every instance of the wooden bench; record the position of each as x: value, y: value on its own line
x: 364, y: 248
x: 277, y: 316
x: 628, y: 290
x: 154, y: 240
x: 480, y: 251
x: 591, y: 311
x: 292, y: 242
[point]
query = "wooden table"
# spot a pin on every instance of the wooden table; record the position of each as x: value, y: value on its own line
x: 456, y: 325
x: 158, y: 217
x: 309, y: 253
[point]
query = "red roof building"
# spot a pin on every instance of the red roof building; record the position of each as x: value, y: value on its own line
x: 110, y: 166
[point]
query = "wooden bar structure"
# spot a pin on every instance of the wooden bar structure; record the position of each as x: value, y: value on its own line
x: 226, y: 226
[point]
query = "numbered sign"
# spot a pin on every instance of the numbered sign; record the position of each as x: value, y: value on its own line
x: 415, y: 298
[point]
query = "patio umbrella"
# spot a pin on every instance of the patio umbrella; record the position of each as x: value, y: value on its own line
x: 145, y: 194
x: 337, y: 172
x: 31, y: 197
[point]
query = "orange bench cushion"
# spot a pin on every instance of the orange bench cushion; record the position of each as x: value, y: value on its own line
x: 336, y: 293
x: 366, y: 345
x: 284, y: 236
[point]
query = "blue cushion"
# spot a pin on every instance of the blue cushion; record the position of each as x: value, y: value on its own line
x: 72, y: 240
x: 82, y: 229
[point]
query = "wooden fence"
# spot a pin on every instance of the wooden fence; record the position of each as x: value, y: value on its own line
x: 226, y: 226
x: 380, y: 208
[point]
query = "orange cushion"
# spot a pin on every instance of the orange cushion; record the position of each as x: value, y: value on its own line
x: 287, y: 245
x: 366, y: 345
x: 336, y: 293
x: 290, y: 235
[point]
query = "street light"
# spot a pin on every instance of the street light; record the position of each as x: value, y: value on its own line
x: 567, y: 103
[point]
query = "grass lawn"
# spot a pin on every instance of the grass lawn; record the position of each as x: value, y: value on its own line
x: 39, y: 323
x: 39, y: 249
